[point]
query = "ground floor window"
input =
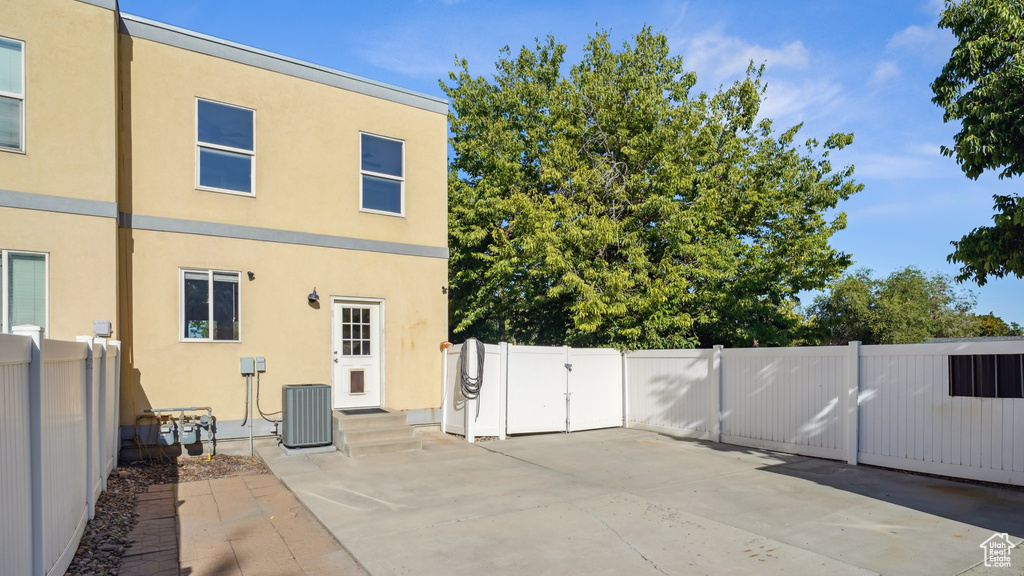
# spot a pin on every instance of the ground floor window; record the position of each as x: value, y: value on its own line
x: 25, y: 289
x: 210, y: 305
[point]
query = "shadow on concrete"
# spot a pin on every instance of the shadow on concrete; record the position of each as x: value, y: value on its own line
x: 986, y: 505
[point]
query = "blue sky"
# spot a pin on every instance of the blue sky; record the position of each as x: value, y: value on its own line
x: 861, y: 67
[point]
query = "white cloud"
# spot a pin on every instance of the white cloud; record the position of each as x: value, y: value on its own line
x: 894, y: 166
x: 404, y: 60
x: 718, y: 57
x: 918, y: 202
x: 934, y: 7
x: 884, y: 70
x: 912, y: 161
x: 795, y: 93
x: 788, y: 102
x: 931, y: 43
x: 926, y: 149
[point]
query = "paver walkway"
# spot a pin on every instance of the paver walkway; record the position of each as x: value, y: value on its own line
x: 243, y: 525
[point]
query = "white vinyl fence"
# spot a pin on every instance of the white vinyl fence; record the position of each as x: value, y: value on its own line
x: 883, y: 405
x: 530, y: 389
x: 58, y: 443
x: 485, y: 415
x: 908, y: 420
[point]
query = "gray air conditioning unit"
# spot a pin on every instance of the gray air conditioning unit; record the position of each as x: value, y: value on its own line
x: 306, y: 415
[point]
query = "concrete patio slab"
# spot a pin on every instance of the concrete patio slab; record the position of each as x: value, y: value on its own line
x: 633, y: 502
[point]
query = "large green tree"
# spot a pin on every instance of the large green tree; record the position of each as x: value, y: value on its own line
x: 982, y: 87
x: 613, y: 205
x: 906, y: 307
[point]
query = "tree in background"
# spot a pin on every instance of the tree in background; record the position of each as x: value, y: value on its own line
x: 982, y: 87
x: 992, y: 325
x: 613, y: 206
x: 906, y: 307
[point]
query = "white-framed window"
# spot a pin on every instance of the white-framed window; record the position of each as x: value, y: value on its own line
x: 225, y: 148
x: 26, y: 287
x: 12, y: 94
x: 210, y: 303
x: 382, y: 175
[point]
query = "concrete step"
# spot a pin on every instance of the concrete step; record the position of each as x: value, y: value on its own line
x: 374, y: 434
x: 343, y: 422
x: 356, y: 449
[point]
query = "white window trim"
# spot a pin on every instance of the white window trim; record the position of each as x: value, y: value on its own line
x: 252, y: 153
x: 400, y: 180
x: 181, y: 303
x: 21, y: 98
x: 5, y: 308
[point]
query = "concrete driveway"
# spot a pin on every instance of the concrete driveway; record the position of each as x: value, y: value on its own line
x: 633, y: 502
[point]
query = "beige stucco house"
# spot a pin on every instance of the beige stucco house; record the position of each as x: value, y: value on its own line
x: 197, y: 192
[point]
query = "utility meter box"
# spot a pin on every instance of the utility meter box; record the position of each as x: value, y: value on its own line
x: 248, y: 366
x: 261, y: 364
x: 101, y: 328
x: 189, y: 433
x: 168, y: 431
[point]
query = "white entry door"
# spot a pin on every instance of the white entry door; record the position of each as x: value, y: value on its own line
x: 357, y: 354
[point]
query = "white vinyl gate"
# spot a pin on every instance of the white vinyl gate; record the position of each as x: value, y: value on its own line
x: 595, y: 388
x: 531, y: 389
x: 537, y: 381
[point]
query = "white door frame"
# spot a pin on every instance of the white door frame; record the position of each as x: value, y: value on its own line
x: 381, y: 334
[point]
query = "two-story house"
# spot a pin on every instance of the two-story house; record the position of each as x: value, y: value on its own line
x: 217, y: 202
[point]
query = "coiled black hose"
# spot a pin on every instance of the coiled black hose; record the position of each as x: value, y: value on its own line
x: 470, y: 385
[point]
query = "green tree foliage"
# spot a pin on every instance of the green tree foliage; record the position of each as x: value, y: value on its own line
x: 906, y: 307
x: 982, y: 87
x: 992, y: 325
x: 614, y: 206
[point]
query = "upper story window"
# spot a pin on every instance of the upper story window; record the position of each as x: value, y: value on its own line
x: 12, y: 94
x: 24, y: 289
x: 382, y: 171
x: 225, y: 147
x: 210, y: 305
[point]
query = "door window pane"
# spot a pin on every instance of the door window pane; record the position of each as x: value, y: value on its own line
x: 26, y: 289
x: 355, y: 331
